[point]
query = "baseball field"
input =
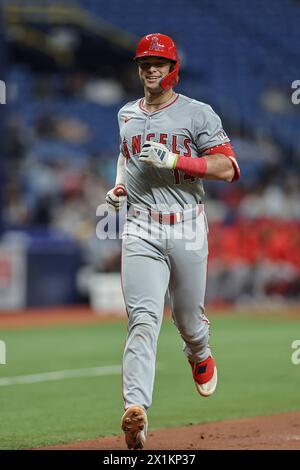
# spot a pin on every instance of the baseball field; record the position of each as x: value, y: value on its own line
x: 62, y: 384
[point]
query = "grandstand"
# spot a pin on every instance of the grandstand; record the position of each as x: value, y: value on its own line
x: 68, y: 72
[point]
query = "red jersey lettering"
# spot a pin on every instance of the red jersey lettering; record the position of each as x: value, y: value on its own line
x: 186, y: 144
x: 136, y: 144
x: 150, y: 136
x: 163, y: 138
x: 174, y: 145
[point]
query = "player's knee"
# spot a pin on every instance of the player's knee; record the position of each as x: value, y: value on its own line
x: 147, y: 318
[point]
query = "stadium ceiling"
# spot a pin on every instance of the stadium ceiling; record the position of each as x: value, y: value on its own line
x: 56, y: 36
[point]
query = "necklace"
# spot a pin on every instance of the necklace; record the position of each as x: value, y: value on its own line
x: 162, y: 102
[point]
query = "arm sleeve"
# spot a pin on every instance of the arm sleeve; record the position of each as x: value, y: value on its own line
x: 120, y: 176
x: 227, y: 151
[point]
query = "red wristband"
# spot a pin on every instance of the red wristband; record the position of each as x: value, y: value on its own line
x: 192, y: 166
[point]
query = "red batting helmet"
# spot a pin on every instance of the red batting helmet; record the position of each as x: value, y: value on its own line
x: 160, y: 45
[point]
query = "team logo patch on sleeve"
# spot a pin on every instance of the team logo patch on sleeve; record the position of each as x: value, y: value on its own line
x: 222, y: 135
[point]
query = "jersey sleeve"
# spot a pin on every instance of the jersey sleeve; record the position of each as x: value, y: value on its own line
x: 209, y: 131
x: 123, y: 148
x: 120, y: 137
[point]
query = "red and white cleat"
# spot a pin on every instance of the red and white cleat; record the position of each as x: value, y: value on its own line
x: 205, y: 376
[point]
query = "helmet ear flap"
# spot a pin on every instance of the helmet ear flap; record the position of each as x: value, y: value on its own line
x: 170, y: 80
x: 172, y: 66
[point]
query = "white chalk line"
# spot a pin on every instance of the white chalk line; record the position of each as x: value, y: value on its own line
x: 61, y: 375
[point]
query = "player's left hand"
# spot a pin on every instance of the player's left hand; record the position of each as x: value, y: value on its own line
x: 158, y: 155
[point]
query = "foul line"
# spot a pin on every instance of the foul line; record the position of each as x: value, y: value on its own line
x: 61, y: 375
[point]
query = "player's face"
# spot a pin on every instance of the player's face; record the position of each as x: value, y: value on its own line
x: 152, y: 70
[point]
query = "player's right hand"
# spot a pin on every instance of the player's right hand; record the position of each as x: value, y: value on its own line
x: 157, y: 154
x: 115, y: 198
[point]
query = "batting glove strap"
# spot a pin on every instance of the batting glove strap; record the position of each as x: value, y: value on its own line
x: 158, y: 155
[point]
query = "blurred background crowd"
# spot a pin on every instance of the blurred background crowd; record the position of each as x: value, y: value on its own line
x: 68, y: 69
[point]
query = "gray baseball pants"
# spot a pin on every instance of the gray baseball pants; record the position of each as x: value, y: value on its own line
x: 173, y: 258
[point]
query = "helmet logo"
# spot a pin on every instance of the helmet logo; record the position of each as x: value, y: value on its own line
x: 155, y: 46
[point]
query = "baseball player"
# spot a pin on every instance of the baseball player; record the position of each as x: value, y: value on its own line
x: 169, y: 144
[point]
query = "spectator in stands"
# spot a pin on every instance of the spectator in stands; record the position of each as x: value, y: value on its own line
x: 277, y: 100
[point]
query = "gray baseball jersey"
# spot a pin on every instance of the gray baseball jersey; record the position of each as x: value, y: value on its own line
x: 187, y: 127
x: 151, y: 266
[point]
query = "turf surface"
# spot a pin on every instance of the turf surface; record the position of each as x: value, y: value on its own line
x: 256, y: 377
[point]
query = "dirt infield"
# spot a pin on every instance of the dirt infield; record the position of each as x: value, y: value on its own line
x: 79, y: 315
x: 280, y: 432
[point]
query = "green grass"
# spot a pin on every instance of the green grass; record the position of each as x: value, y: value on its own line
x: 256, y: 377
